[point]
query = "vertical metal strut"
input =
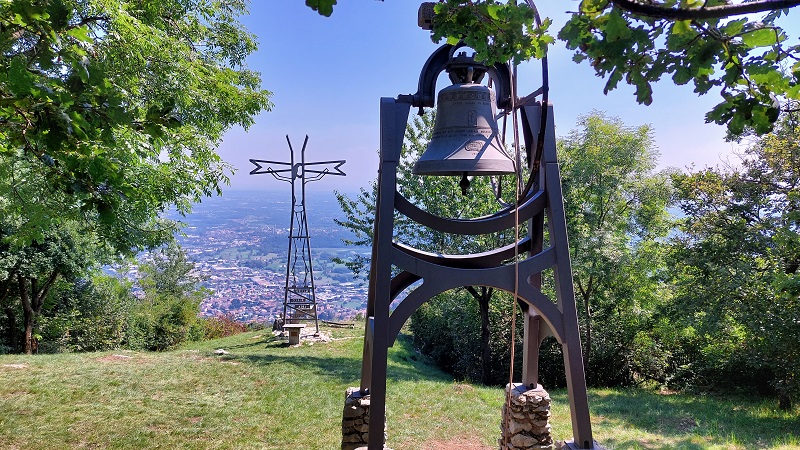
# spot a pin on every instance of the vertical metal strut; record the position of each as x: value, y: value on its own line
x: 299, y: 296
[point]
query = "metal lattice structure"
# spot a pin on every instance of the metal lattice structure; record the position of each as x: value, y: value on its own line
x: 299, y: 300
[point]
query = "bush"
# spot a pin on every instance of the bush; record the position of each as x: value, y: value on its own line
x: 448, y: 330
x: 164, y: 322
x: 222, y: 325
x: 167, y: 315
x: 87, y: 315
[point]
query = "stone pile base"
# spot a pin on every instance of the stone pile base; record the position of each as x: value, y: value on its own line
x: 355, y: 420
x: 525, y: 426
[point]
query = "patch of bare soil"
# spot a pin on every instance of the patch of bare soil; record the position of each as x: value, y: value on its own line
x: 461, y: 443
x: 461, y: 388
x: 15, y: 366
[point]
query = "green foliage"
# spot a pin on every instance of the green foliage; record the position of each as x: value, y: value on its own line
x: 616, y: 220
x: 87, y: 315
x: 28, y: 272
x: 744, y: 58
x: 164, y: 322
x: 323, y: 7
x: 735, y: 270
x: 166, y: 316
x: 498, y: 32
x: 445, y: 330
x: 111, y: 112
x: 90, y: 311
x: 750, y: 60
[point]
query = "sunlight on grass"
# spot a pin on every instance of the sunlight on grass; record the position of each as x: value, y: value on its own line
x: 265, y: 394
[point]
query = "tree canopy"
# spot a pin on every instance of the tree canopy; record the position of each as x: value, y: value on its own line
x: 735, y: 270
x: 616, y: 220
x: 111, y: 111
x: 110, y: 115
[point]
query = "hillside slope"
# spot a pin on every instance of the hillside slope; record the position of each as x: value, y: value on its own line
x: 267, y: 395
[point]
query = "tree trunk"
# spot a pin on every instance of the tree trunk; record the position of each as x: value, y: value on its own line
x: 483, y: 297
x: 32, y: 297
x: 588, y: 346
x: 486, y: 349
x: 27, y: 314
x: 784, y: 398
x: 784, y: 401
x: 586, y: 296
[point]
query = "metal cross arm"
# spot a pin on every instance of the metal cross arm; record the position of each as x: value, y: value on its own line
x: 260, y: 169
x: 306, y: 171
x: 306, y: 167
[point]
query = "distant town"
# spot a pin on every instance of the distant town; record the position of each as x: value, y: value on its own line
x: 239, y: 244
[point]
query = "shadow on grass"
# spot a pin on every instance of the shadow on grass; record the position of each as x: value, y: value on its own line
x: 691, y: 422
x: 403, y: 365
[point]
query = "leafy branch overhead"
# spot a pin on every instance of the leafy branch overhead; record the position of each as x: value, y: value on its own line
x: 113, y: 110
x: 497, y: 32
x: 735, y: 47
x: 751, y: 61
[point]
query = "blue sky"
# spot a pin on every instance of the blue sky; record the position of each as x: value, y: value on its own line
x: 327, y: 76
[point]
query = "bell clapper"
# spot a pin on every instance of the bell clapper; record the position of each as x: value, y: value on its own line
x: 464, y: 183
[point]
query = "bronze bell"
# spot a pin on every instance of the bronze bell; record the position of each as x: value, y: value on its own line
x: 465, y: 137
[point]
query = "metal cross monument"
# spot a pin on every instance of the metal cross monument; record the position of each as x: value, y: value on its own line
x: 299, y: 298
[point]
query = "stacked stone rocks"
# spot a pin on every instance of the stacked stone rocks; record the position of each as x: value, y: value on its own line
x: 355, y: 420
x: 525, y: 424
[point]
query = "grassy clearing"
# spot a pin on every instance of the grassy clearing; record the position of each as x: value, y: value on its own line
x: 270, y: 396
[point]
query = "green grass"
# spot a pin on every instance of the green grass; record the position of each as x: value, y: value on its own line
x: 266, y: 395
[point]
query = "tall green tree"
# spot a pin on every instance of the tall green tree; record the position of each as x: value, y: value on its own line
x: 735, y: 269
x: 167, y: 313
x: 113, y: 109
x: 616, y: 221
x: 30, y: 272
x: 110, y: 114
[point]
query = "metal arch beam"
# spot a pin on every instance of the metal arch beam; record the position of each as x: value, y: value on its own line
x: 439, y: 279
x: 481, y: 260
x: 466, y: 277
x: 401, y: 282
x: 529, y: 294
x: 503, y: 220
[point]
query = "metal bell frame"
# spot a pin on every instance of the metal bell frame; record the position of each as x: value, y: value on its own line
x: 542, y: 197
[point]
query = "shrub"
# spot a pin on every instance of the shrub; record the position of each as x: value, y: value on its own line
x: 164, y: 322
x: 222, y: 325
x: 87, y: 315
